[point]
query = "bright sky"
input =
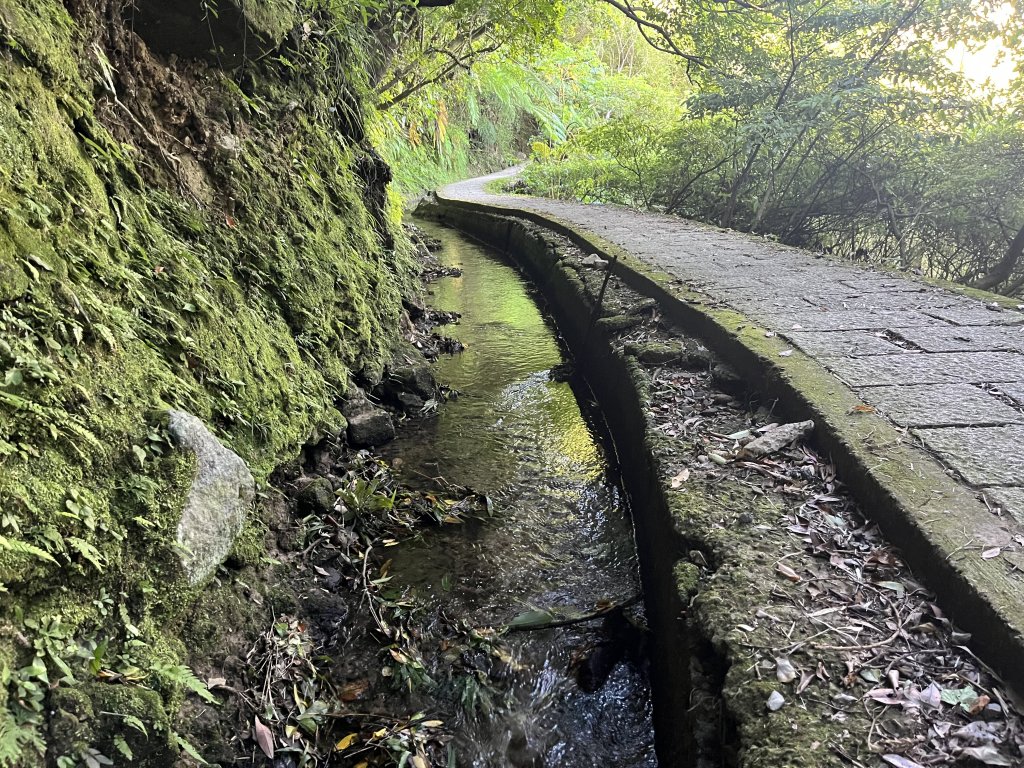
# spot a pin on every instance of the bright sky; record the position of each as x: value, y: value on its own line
x: 991, y: 64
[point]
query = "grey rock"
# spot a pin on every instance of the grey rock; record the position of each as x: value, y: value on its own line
x: 317, y: 497
x: 221, y: 495
x: 418, y: 379
x: 370, y: 428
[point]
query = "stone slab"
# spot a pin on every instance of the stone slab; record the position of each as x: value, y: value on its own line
x: 965, y: 338
x: 882, y: 284
x: 896, y: 300
x: 1009, y: 502
x: 941, y: 405
x: 842, y: 343
x: 944, y: 367
x: 846, y: 320
x: 983, y: 455
x: 1014, y: 389
x: 975, y: 313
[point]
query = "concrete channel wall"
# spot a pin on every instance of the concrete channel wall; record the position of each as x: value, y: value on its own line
x: 908, y: 494
x: 616, y: 389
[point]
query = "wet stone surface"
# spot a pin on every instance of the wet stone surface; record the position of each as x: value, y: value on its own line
x: 942, y: 405
x: 983, y: 455
x: 820, y: 305
x: 1007, y: 502
x: 842, y: 343
x: 946, y: 367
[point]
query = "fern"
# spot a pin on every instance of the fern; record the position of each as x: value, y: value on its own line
x: 17, y: 743
x: 179, y: 674
x: 24, y: 548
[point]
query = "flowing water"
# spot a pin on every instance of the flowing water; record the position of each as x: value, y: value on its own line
x: 559, y: 536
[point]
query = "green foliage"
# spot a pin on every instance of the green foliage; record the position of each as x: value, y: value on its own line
x: 838, y: 126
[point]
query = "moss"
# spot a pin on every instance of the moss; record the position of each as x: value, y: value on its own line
x: 120, y: 297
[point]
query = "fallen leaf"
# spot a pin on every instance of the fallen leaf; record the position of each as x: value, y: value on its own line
x: 863, y: 408
x: 899, y: 761
x: 988, y: 554
x: 346, y: 742
x: 775, y: 701
x: 977, y: 706
x: 419, y: 761
x: 963, y: 696
x: 264, y: 737
x: 786, y: 353
x: 784, y: 670
x: 682, y: 477
x: 988, y: 754
x: 788, y: 572
x: 354, y: 690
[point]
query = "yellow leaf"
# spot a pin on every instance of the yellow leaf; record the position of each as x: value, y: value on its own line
x: 346, y: 742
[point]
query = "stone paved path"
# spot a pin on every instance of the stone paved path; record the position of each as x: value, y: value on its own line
x: 948, y: 367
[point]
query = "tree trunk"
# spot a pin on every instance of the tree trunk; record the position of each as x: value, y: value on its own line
x: 1001, y: 272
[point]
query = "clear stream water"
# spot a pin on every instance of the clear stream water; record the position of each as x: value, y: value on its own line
x: 560, y: 535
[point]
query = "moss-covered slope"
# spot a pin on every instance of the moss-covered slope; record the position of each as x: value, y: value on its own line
x: 172, y: 233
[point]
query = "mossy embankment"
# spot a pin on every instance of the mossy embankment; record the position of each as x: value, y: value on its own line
x: 213, y: 235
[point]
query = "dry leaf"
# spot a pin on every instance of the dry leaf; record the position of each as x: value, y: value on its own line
x: 784, y: 670
x: 681, y: 478
x: 264, y: 737
x: 354, y: 690
x: 988, y: 754
x: 346, y: 742
x: 988, y: 554
x: 786, y: 353
x: 788, y: 572
x: 899, y: 761
x: 863, y: 408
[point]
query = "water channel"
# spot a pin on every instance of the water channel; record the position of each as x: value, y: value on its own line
x: 560, y: 534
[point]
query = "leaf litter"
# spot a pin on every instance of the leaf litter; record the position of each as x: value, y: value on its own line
x: 862, y: 643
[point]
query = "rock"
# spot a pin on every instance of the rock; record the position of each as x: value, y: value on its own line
x: 617, y: 323
x: 317, y: 498
x: 418, y: 379
x: 370, y: 428
x: 410, y: 403
x: 221, y: 495
x: 774, y: 439
x: 237, y: 29
x: 593, y: 260
x: 655, y: 354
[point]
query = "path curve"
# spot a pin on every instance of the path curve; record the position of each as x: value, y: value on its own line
x: 924, y: 385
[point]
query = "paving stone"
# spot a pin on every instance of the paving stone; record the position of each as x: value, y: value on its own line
x: 842, y: 343
x: 883, y: 284
x: 845, y: 320
x: 1014, y: 389
x: 944, y: 367
x: 923, y: 300
x: 1009, y: 501
x: 983, y: 455
x: 976, y: 313
x: 941, y: 405
x: 965, y: 338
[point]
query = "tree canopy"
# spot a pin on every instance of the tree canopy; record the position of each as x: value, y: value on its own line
x: 842, y: 125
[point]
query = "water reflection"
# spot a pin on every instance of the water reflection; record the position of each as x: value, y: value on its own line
x: 559, y: 536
